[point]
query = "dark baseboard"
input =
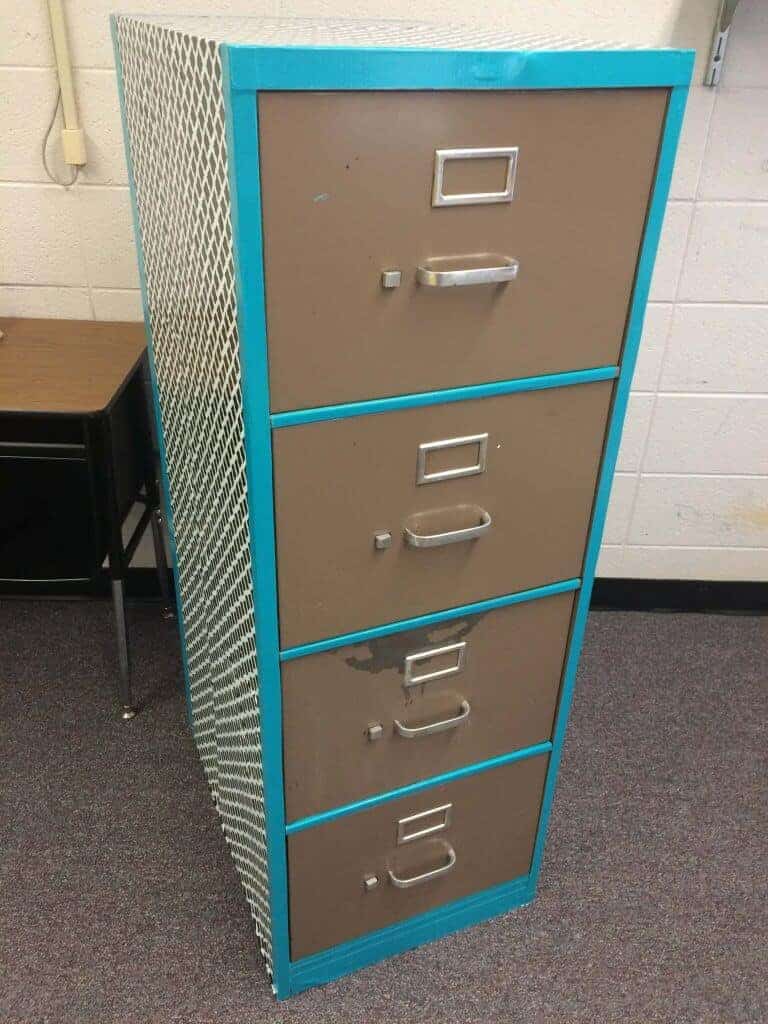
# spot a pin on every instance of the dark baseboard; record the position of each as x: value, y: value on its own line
x: 719, y: 596
x: 734, y: 598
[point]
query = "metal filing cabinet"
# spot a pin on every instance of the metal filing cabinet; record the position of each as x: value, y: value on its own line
x: 394, y: 278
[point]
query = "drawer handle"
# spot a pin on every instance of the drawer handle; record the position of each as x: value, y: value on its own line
x: 437, y: 540
x: 501, y: 269
x: 408, y: 883
x: 429, y: 730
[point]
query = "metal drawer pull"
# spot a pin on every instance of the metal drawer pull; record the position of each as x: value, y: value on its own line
x: 429, y: 730
x: 440, y: 273
x: 436, y: 540
x: 442, y: 156
x: 407, y: 883
x: 412, y: 660
x: 424, y: 476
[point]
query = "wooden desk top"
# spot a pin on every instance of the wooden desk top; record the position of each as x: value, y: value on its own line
x: 65, y: 366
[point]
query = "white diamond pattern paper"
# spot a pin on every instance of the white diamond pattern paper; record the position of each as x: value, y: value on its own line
x: 175, y: 118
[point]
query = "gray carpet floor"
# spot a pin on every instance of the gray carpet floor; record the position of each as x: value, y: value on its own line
x: 120, y: 904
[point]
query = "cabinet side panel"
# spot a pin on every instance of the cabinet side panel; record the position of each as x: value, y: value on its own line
x: 176, y: 141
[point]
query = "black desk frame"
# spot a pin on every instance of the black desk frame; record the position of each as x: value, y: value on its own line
x: 116, y: 446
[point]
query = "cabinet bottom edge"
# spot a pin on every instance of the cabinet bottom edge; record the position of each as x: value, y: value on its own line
x: 321, y: 968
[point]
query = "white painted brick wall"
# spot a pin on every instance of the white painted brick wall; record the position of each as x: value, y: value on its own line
x: 690, y: 498
x: 696, y: 441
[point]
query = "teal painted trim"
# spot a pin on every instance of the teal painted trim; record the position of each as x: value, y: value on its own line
x: 152, y: 372
x: 417, y: 787
x: 463, y: 394
x: 363, y: 635
x: 253, y: 68
x: 434, y: 924
x: 671, y: 134
x: 245, y: 188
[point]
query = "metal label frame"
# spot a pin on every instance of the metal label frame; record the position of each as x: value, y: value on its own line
x: 403, y: 836
x: 442, y: 156
x: 409, y: 679
x: 424, y: 477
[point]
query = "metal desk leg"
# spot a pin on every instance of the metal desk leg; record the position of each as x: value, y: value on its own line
x: 118, y: 559
x: 125, y: 690
x: 161, y: 561
x: 153, y: 498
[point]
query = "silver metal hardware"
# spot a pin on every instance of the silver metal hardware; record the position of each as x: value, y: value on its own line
x: 158, y: 541
x: 129, y: 709
x: 39, y: 579
x: 436, y: 540
x: 412, y: 660
x: 391, y: 278
x: 424, y: 477
x: 404, y: 836
x: 407, y: 883
x: 443, y: 725
x: 57, y: 446
x: 370, y: 882
x: 442, y: 156
x: 720, y: 41
x: 382, y: 541
x: 440, y: 272
x: 374, y: 731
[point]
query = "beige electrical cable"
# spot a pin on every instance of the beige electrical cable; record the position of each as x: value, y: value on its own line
x: 72, y: 137
x: 44, y: 154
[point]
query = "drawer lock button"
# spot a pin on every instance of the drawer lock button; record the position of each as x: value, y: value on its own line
x: 391, y: 278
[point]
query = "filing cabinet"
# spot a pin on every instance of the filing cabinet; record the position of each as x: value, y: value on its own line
x: 394, y: 277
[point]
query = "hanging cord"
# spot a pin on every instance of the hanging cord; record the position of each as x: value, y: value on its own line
x: 46, y: 137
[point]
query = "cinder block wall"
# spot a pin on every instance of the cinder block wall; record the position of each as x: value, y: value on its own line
x: 691, y: 497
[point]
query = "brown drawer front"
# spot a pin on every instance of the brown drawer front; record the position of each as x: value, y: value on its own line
x: 485, y: 684
x: 347, y: 185
x: 480, y: 830
x: 340, y: 483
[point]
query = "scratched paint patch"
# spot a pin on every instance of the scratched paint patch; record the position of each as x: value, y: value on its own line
x: 388, y: 652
